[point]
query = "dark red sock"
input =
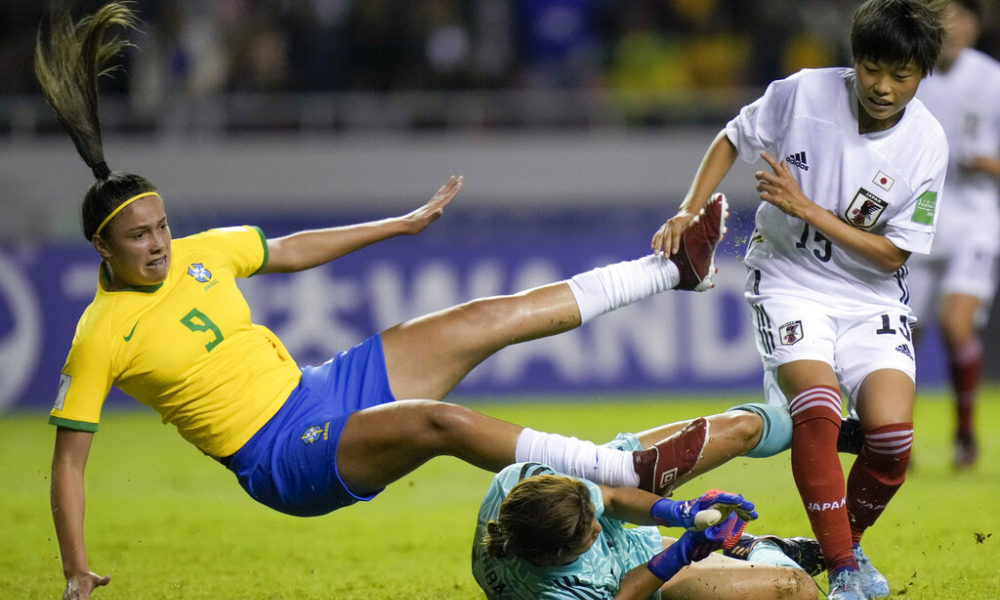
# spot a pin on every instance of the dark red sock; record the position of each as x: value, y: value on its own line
x: 877, y: 473
x: 966, y: 364
x: 818, y: 475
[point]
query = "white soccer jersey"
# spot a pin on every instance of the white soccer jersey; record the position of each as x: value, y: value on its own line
x: 885, y: 182
x: 966, y: 100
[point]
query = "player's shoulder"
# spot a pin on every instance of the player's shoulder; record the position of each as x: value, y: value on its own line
x: 218, y: 233
x: 518, y: 471
x: 924, y: 122
x: 98, y: 318
x: 814, y: 90
x: 821, y: 78
x: 221, y: 239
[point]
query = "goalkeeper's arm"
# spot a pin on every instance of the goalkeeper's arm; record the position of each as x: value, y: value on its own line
x: 644, y: 580
x: 643, y: 508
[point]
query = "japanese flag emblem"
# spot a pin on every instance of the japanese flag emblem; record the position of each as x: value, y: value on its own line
x: 883, y: 181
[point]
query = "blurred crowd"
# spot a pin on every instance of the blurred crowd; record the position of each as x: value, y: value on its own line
x: 640, y: 50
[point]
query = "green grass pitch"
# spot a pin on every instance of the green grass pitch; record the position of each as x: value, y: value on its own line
x: 167, y: 522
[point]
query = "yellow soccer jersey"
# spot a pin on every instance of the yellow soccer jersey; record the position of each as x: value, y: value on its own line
x: 185, y: 347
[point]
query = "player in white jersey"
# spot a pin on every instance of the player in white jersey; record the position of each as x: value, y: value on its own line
x: 958, y: 281
x: 854, y: 166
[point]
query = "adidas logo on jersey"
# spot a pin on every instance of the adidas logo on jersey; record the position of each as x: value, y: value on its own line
x: 904, y: 349
x: 798, y: 159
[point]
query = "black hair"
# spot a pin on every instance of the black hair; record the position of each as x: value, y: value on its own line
x: 68, y: 62
x: 899, y: 32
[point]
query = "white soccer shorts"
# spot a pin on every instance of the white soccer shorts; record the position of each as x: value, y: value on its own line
x: 969, y: 269
x: 855, y: 344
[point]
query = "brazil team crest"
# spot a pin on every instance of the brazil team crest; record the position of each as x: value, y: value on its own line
x: 865, y: 209
x: 315, y: 432
x: 791, y: 332
x: 199, y: 272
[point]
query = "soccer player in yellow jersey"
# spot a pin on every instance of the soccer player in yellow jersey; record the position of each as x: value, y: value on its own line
x: 169, y: 326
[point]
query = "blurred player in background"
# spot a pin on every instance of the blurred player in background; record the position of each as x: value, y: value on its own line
x: 855, y: 166
x: 958, y: 281
x: 169, y: 327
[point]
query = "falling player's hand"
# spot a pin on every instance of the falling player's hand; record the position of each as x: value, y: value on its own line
x: 780, y: 188
x: 419, y: 219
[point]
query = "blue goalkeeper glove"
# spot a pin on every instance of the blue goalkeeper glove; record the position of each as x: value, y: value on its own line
x: 696, y: 545
x: 682, y: 513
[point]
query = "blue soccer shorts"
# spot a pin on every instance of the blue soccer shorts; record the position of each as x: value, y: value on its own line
x: 290, y: 464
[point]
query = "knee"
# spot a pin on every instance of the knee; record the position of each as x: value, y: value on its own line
x: 767, y: 428
x: 746, y: 426
x: 740, y: 424
x: 440, y: 424
x: 956, y: 327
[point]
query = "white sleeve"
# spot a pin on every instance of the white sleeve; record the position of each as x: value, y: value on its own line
x: 760, y: 125
x: 912, y: 229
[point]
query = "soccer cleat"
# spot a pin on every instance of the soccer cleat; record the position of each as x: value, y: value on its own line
x: 873, y: 583
x: 966, y: 451
x: 845, y: 584
x: 660, y: 466
x: 804, y: 551
x: 696, y: 257
x: 851, y: 437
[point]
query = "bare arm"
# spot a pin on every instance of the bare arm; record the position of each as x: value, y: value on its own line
x: 719, y: 158
x: 780, y: 189
x: 983, y: 164
x: 629, y: 504
x: 633, y: 506
x: 307, y: 249
x: 643, y: 508
x: 638, y: 584
x: 69, y: 461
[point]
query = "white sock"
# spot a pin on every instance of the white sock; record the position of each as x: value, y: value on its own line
x: 579, y: 458
x: 604, y: 289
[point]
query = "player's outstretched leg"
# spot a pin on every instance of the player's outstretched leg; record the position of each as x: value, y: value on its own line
x: 661, y: 466
x: 428, y: 356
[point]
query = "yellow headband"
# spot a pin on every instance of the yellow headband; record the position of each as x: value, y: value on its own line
x: 120, y: 207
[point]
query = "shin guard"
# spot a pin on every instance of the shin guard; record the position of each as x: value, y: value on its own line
x: 816, y: 414
x: 878, y: 472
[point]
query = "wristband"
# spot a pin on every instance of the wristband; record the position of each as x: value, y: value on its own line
x: 666, y: 564
x: 668, y: 512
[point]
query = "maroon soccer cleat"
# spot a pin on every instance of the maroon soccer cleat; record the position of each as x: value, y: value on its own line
x: 671, y: 458
x: 696, y: 257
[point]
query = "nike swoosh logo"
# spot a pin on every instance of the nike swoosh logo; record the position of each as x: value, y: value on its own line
x: 129, y: 336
